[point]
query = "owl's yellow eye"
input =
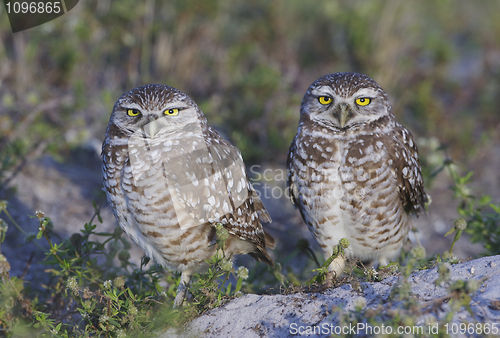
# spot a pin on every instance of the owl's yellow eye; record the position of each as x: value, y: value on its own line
x: 133, y: 112
x: 171, y: 112
x: 325, y: 100
x: 363, y: 101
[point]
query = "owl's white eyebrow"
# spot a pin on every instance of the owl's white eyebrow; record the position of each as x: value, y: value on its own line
x: 366, y: 92
x: 131, y: 106
x: 173, y: 106
x: 326, y: 91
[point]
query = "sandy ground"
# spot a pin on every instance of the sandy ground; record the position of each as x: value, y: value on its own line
x: 312, y: 314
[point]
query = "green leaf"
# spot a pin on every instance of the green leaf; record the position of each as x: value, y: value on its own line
x: 465, y: 179
x: 239, y: 284
x: 484, y: 200
x: 496, y: 208
x: 103, y: 234
x: 452, y: 230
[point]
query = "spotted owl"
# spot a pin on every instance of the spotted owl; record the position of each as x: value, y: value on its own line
x: 169, y: 178
x: 353, y: 171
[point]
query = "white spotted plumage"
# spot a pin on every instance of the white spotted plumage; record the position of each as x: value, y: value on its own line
x: 169, y: 179
x: 353, y: 171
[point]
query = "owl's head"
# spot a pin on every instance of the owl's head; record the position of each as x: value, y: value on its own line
x: 154, y: 109
x: 344, y: 100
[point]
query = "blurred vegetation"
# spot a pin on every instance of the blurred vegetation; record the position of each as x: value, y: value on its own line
x: 248, y: 64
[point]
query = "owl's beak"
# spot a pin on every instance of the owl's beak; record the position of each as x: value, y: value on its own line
x: 152, y: 128
x: 343, y: 114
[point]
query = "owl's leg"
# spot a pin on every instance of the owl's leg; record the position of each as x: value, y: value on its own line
x: 337, y: 266
x: 182, y: 289
x: 382, y: 261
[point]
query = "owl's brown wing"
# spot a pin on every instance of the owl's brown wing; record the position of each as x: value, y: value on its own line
x: 245, y: 224
x: 211, y: 185
x: 408, y: 172
x: 244, y: 221
x: 227, y: 160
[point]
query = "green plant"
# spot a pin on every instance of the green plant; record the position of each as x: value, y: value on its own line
x: 338, y: 250
x: 482, y: 217
x: 207, y: 290
x: 95, y: 291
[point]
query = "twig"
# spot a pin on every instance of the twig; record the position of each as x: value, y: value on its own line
x: 27, y: 265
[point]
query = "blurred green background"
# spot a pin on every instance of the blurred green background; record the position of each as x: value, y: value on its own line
x: 247, y: 63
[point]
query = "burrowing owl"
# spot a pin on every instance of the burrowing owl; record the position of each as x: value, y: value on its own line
x: 169, y: 178
x: 353, y: 171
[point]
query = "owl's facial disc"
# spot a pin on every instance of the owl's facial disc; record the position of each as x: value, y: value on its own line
x: 330, y: 107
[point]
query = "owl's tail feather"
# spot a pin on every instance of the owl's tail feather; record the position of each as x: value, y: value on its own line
x: 264, y: 216
x: 270, y: 241
x: 262, y: 256
x: 261, y: 253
